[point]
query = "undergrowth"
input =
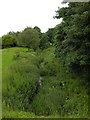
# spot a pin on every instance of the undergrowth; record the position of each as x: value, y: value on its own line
x: 60, y: 94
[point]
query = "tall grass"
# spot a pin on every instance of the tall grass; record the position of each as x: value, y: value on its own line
x: 60, y: 94
x: 21, y: 82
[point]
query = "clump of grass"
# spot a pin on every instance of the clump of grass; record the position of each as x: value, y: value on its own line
x: 17, y: 54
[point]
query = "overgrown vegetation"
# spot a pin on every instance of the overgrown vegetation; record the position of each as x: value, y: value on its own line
x: 59, y: 94
x: 23, y: 71
x: 72, y: 37
x: 47, y: 74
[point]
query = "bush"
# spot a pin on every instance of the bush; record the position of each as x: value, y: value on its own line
x: 8, y: 41
x: 49, y: 68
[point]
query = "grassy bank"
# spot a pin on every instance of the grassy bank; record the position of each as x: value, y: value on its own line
x: 59, y: 95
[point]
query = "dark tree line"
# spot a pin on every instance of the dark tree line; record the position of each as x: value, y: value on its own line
x: 32, y: 38
x: 72, y: 37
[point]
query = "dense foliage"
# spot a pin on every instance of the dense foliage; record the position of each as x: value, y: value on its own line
x: 59, y: 93
x: 29, y: 38
x: 44, y: 42
x: 72, y: 37
x: 50, y: 34
x: 8, y: 41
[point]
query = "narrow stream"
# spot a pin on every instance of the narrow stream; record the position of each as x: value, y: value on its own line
x: 40, y: 80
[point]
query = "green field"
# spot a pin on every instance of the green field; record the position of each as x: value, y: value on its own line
x: 59, y: 95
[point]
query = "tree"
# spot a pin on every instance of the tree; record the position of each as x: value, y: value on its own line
x: 29, y: 38
x: 73, y: 45
x: 15, y: 36
x: 8, y: 41
x: 38, y: 29
x: 44, y: 43
x: 50, y: 34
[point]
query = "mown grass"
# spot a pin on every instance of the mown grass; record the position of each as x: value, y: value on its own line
x: 7, y: 56
x: 60, y: 95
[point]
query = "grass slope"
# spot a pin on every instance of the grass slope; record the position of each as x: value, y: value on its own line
x: 60, y: 95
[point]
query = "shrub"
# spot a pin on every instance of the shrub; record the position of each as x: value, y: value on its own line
x: 8, y: 41
x: 49, y: 68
